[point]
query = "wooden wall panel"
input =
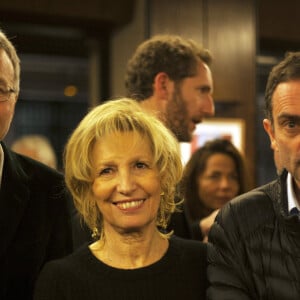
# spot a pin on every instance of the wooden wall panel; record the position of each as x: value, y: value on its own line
x: 232, y: 40
x: 104, y: 13
x: 279, y: 20
x: 177, y: 17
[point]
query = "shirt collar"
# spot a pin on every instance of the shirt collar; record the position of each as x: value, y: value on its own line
x: 292, y: 201
x: 1, y: 163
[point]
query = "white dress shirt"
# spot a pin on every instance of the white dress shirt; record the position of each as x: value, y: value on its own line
x: 1, y: 163
x: 292, y: 200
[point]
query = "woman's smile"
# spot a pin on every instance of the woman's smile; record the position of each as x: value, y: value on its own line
x: 129, y: 205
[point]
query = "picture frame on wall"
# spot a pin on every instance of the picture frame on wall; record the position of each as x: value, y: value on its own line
x: 232, y: 129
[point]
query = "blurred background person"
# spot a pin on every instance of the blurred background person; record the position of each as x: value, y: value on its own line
x: 37, y: 147
x: 122, y: 166
x: 214, y: 175
x: 177, y: 88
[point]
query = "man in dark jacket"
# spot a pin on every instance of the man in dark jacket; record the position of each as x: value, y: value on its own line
x: 254, y: 245
x: 34, y: 207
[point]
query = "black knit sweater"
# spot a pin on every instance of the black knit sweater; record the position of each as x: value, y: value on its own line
x: 179, y: 274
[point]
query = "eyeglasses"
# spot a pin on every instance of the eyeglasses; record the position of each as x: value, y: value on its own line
x: 5, y: 94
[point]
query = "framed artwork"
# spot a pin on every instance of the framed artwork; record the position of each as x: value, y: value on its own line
x: 232, y: 129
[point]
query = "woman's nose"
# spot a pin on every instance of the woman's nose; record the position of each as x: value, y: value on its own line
x: 126, y: 183
x: 225, y: 182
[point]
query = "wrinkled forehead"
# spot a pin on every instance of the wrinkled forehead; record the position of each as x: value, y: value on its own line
x: 131, y: 136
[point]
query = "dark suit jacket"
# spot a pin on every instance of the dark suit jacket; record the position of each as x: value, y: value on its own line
x: 35, y: 223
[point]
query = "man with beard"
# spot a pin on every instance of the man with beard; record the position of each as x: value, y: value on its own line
x: 254, y: 244
x: 170, y: 77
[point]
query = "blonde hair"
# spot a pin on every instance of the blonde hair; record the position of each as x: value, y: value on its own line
x: 122, y: 115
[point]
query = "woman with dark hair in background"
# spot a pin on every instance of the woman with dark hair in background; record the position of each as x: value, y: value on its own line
x: 214, y: 175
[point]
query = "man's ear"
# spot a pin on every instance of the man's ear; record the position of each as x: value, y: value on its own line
x: 270, y: 131
x: 161, y: 85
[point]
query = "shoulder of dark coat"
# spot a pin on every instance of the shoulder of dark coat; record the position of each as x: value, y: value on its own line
x: 249, y: 211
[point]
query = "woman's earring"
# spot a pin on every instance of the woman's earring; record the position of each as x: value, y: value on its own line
x: 95, y: 233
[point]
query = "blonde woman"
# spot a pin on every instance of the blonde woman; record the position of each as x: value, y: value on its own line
x: 122, y: 166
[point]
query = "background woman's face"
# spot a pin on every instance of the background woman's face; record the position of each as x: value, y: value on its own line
x: 219, y: 181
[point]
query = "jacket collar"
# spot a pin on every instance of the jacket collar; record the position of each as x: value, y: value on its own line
x: 1, y: 163
x: 277, y: 191
x: 14, y: 196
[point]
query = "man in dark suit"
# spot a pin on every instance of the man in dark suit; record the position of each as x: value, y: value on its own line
x: 34, y: 206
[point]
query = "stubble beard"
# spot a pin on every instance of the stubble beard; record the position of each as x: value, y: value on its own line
x: 177, y: 117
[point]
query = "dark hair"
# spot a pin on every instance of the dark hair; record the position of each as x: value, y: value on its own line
x: 175, y: 56
x: 196, y: 166
x: 286, y: 70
